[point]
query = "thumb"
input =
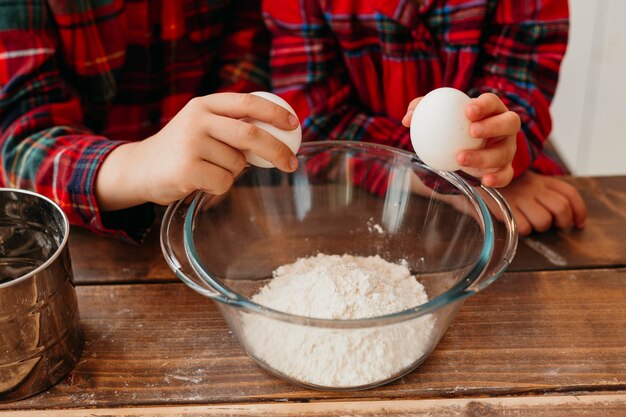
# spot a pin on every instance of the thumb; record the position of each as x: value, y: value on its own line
x: 406, y: 120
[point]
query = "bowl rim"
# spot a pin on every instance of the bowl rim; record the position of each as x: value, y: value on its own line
x: 57, y: 252
x: 230, y: 297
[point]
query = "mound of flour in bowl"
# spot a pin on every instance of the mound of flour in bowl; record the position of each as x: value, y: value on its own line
x: 340, y: 287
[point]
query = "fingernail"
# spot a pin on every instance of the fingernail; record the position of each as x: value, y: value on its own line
x: 293, y: 163
x: 476, y: 130
x: 293, y: 121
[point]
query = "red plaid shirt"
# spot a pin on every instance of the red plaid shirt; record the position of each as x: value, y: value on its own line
x: 77, y: 77
x: 350, y: 68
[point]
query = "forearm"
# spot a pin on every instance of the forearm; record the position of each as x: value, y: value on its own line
x: 58, y: 161
x: 46, y: 146
x: 520, y: 63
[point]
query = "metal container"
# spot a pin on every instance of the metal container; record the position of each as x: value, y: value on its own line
x: 40, y: 335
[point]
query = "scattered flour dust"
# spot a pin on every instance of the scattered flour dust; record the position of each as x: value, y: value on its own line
x: 340, y: 287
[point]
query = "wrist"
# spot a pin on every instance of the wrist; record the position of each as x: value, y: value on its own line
x: 117, y: 179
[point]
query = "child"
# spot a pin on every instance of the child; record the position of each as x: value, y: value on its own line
x: 97, y: 107
x: 349, y: 68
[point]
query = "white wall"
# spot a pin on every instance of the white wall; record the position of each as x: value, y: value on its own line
x: 589, y: 109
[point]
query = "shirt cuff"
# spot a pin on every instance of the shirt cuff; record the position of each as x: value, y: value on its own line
x: 130, y: 224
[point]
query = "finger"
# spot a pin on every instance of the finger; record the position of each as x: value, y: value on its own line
x: 245, y: 136
x: 524, y: 228
x: 413, y: 104
x: 211, y: 178
x: 496, y: 154
x: 406, y: 120
x: 503, y: 124
x: 559, y: 206
x: 239, y: 106
x: 485, y: 105
x: 222, y: 155
x: 498, y: 179
x: 538, y: 216
x: 579, y: 209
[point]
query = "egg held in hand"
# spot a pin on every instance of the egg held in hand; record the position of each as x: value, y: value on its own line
x: 440, y: 128
x: 291, y: 138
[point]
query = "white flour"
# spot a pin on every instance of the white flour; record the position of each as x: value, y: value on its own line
x: 340, y: 287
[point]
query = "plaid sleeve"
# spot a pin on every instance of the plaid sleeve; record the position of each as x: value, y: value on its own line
x: 244, y: 52
x: 520, y: 63
x: 308, y: 71
x: 45, y: 146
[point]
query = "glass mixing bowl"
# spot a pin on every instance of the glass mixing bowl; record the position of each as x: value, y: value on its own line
x: 350, y: 198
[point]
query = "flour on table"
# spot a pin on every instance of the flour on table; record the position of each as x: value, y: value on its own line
x: 340, y: 287
x: 374, y: 227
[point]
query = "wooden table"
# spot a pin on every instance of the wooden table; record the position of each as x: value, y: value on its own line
x: 548, y: 338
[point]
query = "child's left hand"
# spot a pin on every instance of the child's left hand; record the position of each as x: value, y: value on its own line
x: 494, y: 122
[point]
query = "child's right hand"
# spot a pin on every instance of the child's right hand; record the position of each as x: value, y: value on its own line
x: 199, y: 149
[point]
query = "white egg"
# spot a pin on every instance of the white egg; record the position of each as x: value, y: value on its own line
x: 440, y: 128
x: 291, y: 138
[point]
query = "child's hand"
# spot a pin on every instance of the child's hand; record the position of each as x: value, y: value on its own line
x: 492, y: 121
x: 199, y: 149
x: 539, y: 202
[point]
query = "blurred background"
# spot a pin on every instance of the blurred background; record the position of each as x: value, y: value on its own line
x: 589, y: 109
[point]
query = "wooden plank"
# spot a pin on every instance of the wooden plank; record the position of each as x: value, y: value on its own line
x: 555, y: 406
x: 96, y: 259
x: 163, y: 344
